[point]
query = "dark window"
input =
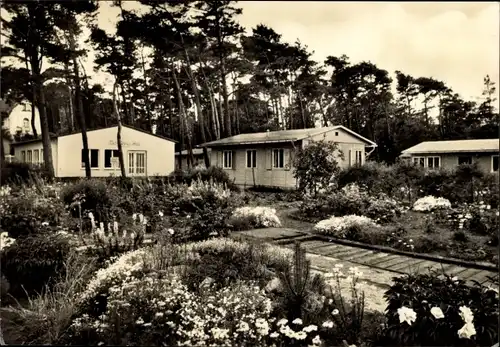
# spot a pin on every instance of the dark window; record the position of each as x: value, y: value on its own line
x: 336, y: 133
x: 251, y: 158
x: 464, y: 160
x: 279, y: 158
x: 108, y: 155
x: 495, y: 163
x: 94, y: 158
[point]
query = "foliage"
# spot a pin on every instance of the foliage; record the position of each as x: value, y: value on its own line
x: 316, y: 164
x: 34, y: 261
x: 424, y: 292
x: 245, y: 218
x: 431, y: 203
x: 224, y: 262
x: 339, y: 227
x: 211, y: 174
x: 202, y: 210
x: 87, y: 196
x: 19, y: 173
x: 300, y: 288
x: 46, y: 316
x: 28, y: 211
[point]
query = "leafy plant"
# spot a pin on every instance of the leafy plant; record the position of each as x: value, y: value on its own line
x: 300, y: 287
x: 35, y: 261
x: 316, y: 164
x: 425, y: 291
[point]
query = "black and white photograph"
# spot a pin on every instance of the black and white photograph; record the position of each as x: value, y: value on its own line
x: 249, y: 173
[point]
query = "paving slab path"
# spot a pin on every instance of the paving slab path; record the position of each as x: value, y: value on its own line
x: 383, y: 266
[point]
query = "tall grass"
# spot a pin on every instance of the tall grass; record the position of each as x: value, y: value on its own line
x: 45, y: 318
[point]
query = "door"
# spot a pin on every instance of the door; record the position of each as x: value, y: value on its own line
x: 137, y: 161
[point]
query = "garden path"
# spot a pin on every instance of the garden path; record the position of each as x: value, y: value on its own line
x: 380, y: 267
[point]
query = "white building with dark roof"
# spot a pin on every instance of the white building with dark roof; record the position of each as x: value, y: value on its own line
x: 450, y: 154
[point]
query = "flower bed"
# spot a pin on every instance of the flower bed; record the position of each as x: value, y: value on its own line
x: 247, y: 217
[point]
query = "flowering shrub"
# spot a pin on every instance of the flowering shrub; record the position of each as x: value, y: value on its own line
x: 431, y: 203
x: 92, y: 196
x: 427, y: 310
x: 5, y: 241
x: 202, y: 209
x: 27, y: 211
x: 34, y: 261
x: 338, y: 226
x: 255, y: 217
x: 383, y: 209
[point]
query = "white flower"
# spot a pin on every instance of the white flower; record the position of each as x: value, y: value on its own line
x: 300, y: 335
x: 431, y: 203
x: 437, y: 312
x: 160, y: 213
x: 466, y: 314
x: 467, y: 331
x: 297, y: 321
x: 243, y: 326
x: 274, y: 335
x: 316, y: 340
x: 282, y: 321
x: 310, y: 328
x: 335, y: 312
x: 406, y: 315
x: 134, y: 217
x: 140, y: 321
x: 171, y: 231
x: 327, y: 324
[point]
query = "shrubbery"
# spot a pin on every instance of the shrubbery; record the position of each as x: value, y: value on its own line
x: 21, y: 173
x: 87, y: 196
x: 211, y: 174
x: 247, y: 217
x: 34, y: 261
x: 427, y: 310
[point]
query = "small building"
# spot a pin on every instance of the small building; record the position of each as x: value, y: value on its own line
x: 19, y: 120
x: 266, y: 159
x: 450, y: 154
x: 199, y: 161
x: 144, y: 154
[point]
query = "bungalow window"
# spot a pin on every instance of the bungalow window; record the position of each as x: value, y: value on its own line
x: 251, y: 158
x: 359, y: 157
x: 36, y: 156
x: 279, y: 158
x: 23, y: 156
x: 227, y: 160
x: 433, y: 162
x: 26, y: 124
x: 41, y: 156
x: 29, y: 156
x: 494, y: 163
x: 111, y: 158
x: 93, y: 157
x: 420, y: 161
x: 464, y: 160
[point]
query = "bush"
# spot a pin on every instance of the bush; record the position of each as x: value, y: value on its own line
x: 423, y: 294
x: 21, y: 173
x: 225, y: 262
x: 34, y: 262
x: 212, y: 174
x: 245, y: 218
x: 339, y: 226
x: 315, y: 165
x: 202, y: 210
x: 27, y: 212
x: 87, y: 196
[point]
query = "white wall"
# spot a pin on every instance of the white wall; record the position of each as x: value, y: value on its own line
x: 32, y: 146
x: 16, y: 120
x: 160, y: 153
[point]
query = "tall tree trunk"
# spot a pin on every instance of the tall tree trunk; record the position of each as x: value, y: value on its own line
x: 197, y: 101
x: 80, y: 116
x: 222, y: 70
x: 183, y: 115
x: 148, y: 108
x: 33, y: 113
x: 119, y: 132
x: 44, y: 124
